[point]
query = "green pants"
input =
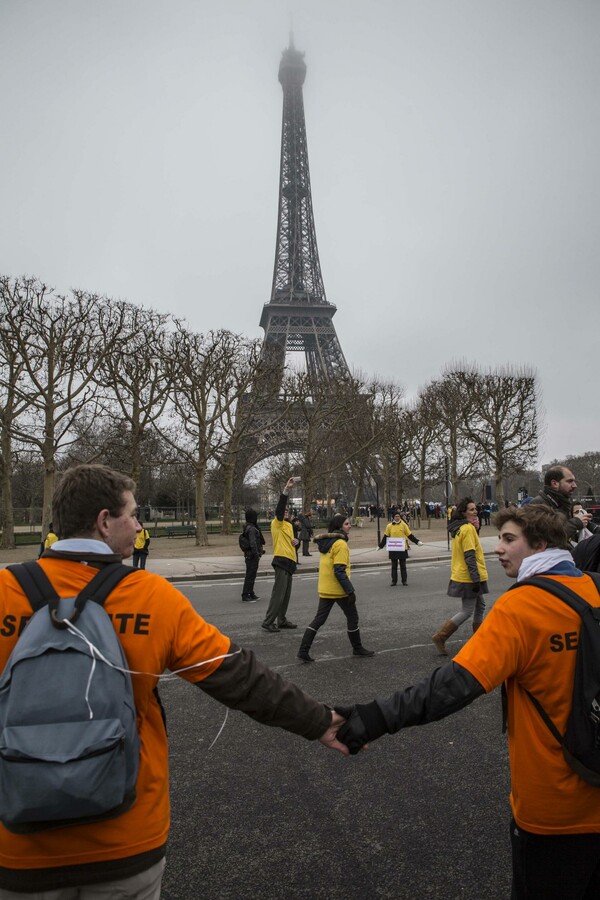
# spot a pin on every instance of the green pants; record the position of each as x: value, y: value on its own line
x: 280, y: 597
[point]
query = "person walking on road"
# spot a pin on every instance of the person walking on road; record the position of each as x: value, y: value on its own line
x: 284, y: 563
x: 334, y: 587
x: 468, y: 575
x: 397, y: 533
x: 252, y: 555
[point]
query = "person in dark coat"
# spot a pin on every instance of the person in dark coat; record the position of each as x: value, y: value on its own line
x: 306, y: 531
x: 252, y: 556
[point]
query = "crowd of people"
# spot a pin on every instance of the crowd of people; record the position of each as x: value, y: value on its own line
x: 522, y: 643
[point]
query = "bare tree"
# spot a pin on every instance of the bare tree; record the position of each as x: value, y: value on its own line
x: 60, y: 342
x: 425, y: 446
x: 12, y: 403
x: 135, y: 371
x: 376, y: 434
x: 329, y: 423
x: 501, y: 416
x: 243, y: 420
x: 445, y: 402
x: 201, y: 369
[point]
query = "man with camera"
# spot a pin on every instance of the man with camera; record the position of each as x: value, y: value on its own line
x: 284, y: 563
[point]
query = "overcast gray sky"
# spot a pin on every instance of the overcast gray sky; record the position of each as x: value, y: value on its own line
x: 454, y: 163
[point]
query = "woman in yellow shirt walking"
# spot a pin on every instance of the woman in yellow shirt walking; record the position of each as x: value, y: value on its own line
x: 468, y: 575
x: 334, y: 587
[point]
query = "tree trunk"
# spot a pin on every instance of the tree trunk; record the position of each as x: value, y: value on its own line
x: 422, y: 464
x: 201, y: 533
x: 228, y: 474
x: 8, y: 523
x: 136, y: 442
x: 454, y: 469
x: 499, y: 478
x: 49, y: 473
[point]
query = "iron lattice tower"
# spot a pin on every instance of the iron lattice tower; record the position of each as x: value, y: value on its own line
x: 298, y: 316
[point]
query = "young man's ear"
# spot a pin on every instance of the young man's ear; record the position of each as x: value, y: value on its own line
x: 102, y: 522
x: 539, y: 548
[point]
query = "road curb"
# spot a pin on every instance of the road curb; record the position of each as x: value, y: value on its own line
x: 224, y: 576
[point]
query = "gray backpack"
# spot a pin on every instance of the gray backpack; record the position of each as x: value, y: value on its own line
x: 69, y: 746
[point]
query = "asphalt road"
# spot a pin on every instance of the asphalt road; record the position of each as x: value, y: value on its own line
x: 264, y: 814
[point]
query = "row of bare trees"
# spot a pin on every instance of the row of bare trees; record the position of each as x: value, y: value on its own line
x: 82, y: 375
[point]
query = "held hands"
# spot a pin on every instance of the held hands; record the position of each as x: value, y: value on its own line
x: 353, y: 732
x: 365, y: 723
x: 329, y: 739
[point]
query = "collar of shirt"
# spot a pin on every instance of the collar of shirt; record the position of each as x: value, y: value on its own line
x: 81, y: 545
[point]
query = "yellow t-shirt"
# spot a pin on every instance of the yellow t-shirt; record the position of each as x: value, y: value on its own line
x: 398, y: 530
x: 529, y: 640
x: 141, y: 539
x: 283, y: 535
x: 467, y: 539
x: 339, y: 554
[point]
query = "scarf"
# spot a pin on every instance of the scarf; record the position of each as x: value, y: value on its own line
x: 547, y: 561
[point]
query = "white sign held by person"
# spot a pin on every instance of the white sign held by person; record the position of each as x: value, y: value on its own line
x: 396, y: 545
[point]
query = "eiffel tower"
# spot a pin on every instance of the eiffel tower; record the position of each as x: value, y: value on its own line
x: 298, y: 317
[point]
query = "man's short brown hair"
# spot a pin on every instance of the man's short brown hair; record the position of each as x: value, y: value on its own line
x: 80, y: 495
x: 539, y: 524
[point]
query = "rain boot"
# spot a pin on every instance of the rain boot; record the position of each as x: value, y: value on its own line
x: 441, y: 636
x: 357, y: 647
x: 307, y: 639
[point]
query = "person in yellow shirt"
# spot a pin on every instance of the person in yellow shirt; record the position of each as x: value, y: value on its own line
x: 140, y: 548
x: 398, y: 529
x: 334, y: 587
x: 527, y: 643
x: 51, y: 538
x: 284, y: 562
x: 468, y: 576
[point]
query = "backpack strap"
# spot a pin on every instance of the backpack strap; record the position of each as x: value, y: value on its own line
x: 561, y: 591
x: 34, y: 583
x: 40, y: 592
x: 579, y: 605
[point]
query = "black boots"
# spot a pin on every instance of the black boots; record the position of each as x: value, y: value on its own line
x: 357, y: 647
x: 307, y: 639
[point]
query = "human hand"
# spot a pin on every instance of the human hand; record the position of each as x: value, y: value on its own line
x: 295, y: 542
x: 288, y: 485
x: 329, y: 739
x: 353, y: 732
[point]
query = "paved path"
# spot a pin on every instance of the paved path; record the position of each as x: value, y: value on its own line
x: 211, y: 567
x: 226, y: 560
